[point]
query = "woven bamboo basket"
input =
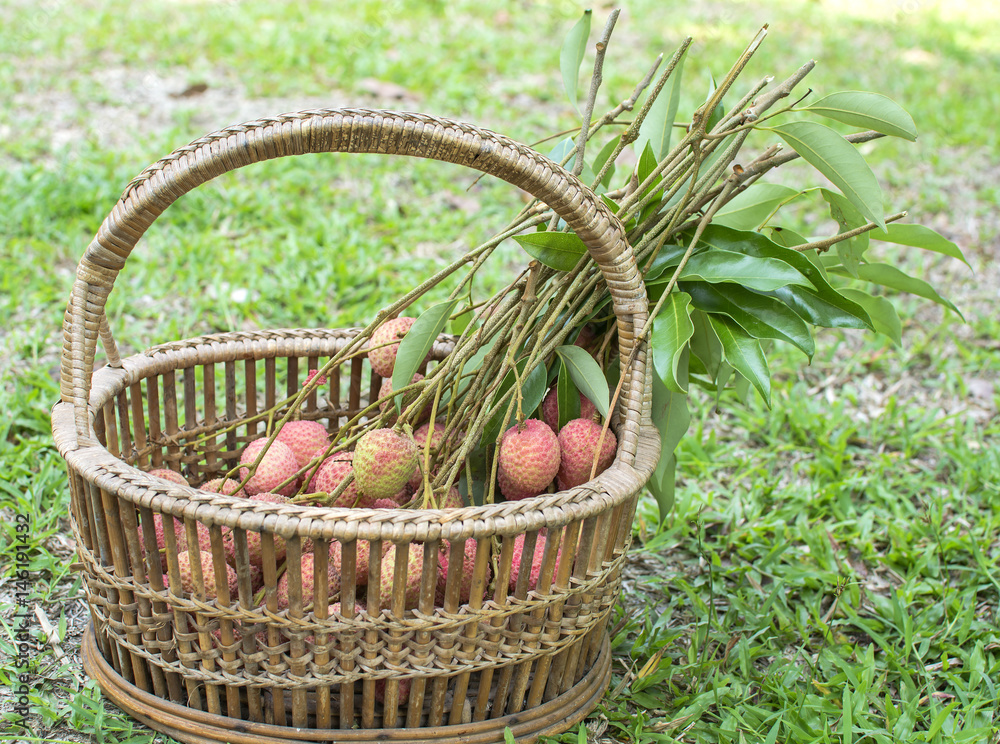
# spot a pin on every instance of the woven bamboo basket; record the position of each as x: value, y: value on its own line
x: 209, y: 667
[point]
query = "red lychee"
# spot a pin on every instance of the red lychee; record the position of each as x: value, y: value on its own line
x: 254, y: 539
x: 578, y: 449
x: 384, y: 460
x: 414, y: 566
x: 277, y: 465
x: 384, y: 359
x: 529, y: 459
x: 303, y: 439
x: 330, y: 475
x: 550, y: 409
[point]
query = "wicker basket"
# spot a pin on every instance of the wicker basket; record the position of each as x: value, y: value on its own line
x: 204, y: 668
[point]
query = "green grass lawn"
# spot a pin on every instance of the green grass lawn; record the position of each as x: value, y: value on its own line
x: 829, y: 573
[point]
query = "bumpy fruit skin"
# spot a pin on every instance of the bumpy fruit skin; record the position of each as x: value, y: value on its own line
x: 278, y: 464
x: 529, y: 459
x: 536, y: 562
x: 578, y: 447
x: 414, y: 566
x: 384, y: 359
x: 361, y: 564
x: 386, y: 390
x: 226, y: 486
x: 416, y: 481
x: 329, y: 476
x: 384, y: 460
x: 468, y: 566
x: 385, y: 504
x: 170, y: 475
x: 550, y: 409
x: 254, y: 539
x: 308, y: 582
x: 303, y: 439
x: 208, y: 575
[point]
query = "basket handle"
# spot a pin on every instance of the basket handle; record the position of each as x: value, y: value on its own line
x: 343, y: 130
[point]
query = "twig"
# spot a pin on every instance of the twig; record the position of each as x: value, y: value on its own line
x: 823, y: 245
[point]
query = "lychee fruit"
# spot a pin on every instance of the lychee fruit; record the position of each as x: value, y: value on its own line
x: 468, y: 566
x: 578, y: 449
x: 207, y: 573
x: 278, y: 465
x: 550, y: 409
x: 403, y: 693
x: 386, y: 390
x: 436, y: 434
x: 384, y: 460
x: 303, y: 439
x: 414, y: 567
x: 170, y: 475
x: 254, y: 539
x: 330, y: 475
x: 226, y: 486
x: 361, y: 562
x: 536, y: 562
x: 384, y: 359
x: 308, y: 582
x: 385, y: 504
x: 528, y: 459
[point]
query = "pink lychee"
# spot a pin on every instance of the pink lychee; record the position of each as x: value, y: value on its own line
x: 278, y: 465
x: 170, y: 475
x: 330, y: 475
x: 207, y: 573
x: 384, y: 359
x: 414, y: 567
x: 536, y: 562
x: 468, y: 566
x: 529, y: 459
x: 384, y: 460
x: 303, y: 439
x: 550, y: 409
x: 308, y: 582
x: 254, y: 539
x: 386, y: 390
x: 578, y: 449
x: 226, y: 486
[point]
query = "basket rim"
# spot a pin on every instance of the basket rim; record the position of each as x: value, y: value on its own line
x: 98, y: 465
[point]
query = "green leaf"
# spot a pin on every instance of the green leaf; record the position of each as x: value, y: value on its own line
x: 867, y: 111
x: 417, y: 343
x: 919, y: 236
x: 668, y: 257
x: 890, y: 276
x: 647, y: 164
x: 881, y: 311
x: 785, y: 237
x: 567, y: 396
x: 820, y: 311
x: 602, y: 158
x: 657, y: 128
x: 508, y: 735
x: 719, y: 111
x: 587, y: 375
x: 821, y: 306
x: 532, y: 391
x: 571, y: 55
x: 752, y: 208
x: 557, y: 250
x: 672, y: 329
x: 759, y: 315
x: 838, y: 160
x: 847, y: 217
x: 765, y: 274
x: 743, y: 351
x: 671, y: 418
x: 705, y: 344
x: 846, y: 719
x: 461, y: 322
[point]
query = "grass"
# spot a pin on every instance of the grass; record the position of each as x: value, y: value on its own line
x: 829, y: 571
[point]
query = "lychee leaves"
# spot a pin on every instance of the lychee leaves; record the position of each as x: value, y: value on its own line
x: 416, y: 344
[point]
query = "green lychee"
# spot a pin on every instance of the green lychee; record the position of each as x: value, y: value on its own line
x: 384, y: 460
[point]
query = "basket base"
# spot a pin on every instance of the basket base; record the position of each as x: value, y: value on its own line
x: 198, y: 727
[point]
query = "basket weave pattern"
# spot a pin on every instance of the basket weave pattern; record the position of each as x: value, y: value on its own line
x: 192, y: 406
